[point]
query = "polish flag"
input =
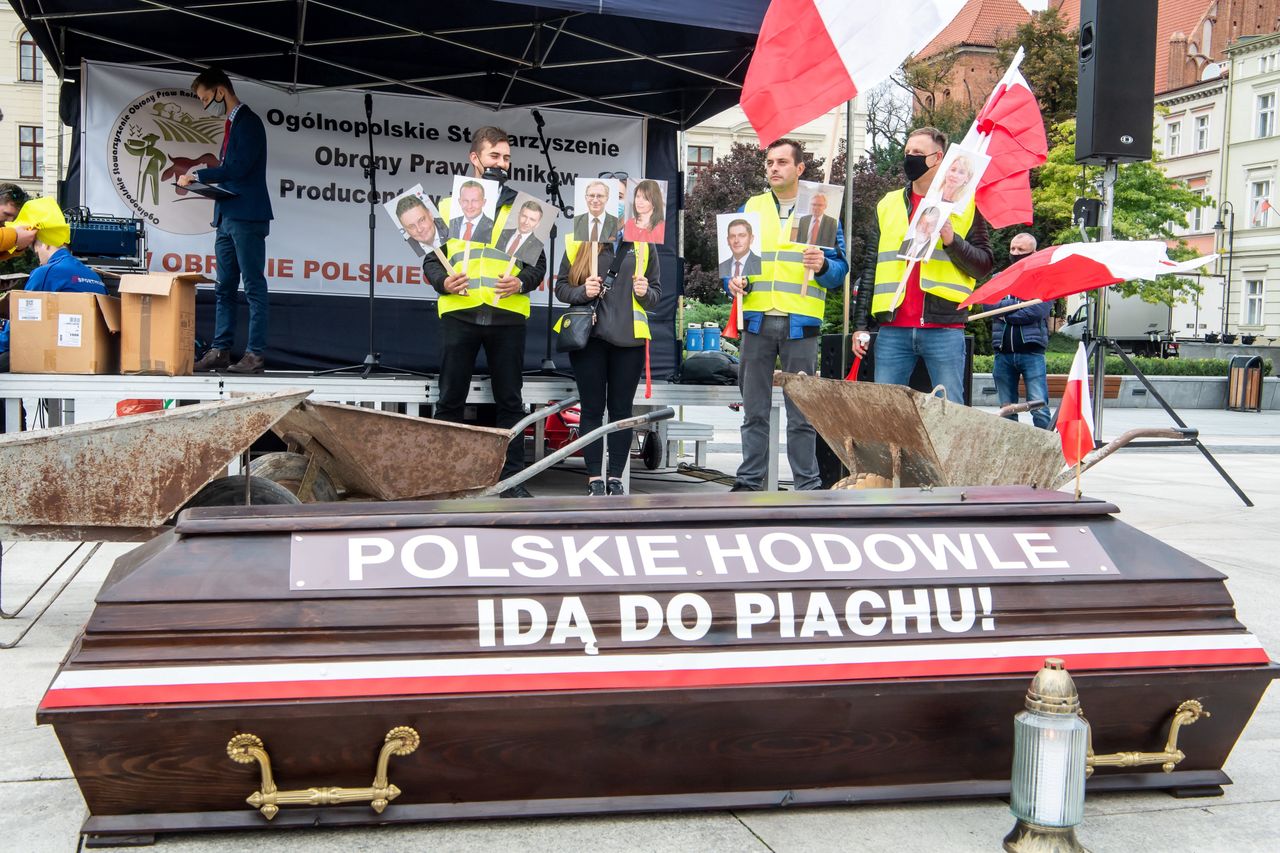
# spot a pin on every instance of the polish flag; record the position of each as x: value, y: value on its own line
x: 1016, y: 144
x: 1075, y: 417
x: 813, y: 55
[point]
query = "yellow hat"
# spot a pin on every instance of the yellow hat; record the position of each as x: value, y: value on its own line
x: 44, y: 215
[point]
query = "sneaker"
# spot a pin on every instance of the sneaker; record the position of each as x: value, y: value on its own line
x: 214, y: 359
x: 745, y: 487
x: 595, y: 488
x: 250, y: 363
x: 615, y: 487
x: 516, y: 492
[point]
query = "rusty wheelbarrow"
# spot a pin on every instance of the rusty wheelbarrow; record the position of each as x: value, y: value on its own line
x: 891, y: 435
x: 391, y: 457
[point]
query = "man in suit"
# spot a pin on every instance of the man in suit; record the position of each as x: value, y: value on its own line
x: 743, y: 261
x: 242, y: 222
x: 472, y: 226
x: 816, y: 228
x: 419, y: 224
x: 520, y: 242
x: 595, y: 225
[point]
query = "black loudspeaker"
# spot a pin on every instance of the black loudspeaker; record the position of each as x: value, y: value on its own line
x: 834, y: 360
x: 1115, y: 101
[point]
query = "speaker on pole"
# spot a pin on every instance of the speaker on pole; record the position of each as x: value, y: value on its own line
x: 1115, y: 101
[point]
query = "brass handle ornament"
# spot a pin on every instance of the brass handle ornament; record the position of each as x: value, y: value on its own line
x: 1188, y: 712
x: 248, y: 748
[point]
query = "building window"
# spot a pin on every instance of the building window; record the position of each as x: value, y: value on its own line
x: 1266, y: 63
x: 1174, y: 138
x: 1196, y: 217
x: 700, y: 157
x: 1260, y: 204
x: 30, y: 59
x: 1202, y: 133
x: 30, y: 151
x: 1251, y: 308
x: 1266, y: 123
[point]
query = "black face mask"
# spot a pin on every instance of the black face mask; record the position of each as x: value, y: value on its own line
x: 1013, y: 259
x: 914, y: 165
x: 496, y: 173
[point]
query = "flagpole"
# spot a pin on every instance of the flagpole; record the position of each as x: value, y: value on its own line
x: 1005, y: 310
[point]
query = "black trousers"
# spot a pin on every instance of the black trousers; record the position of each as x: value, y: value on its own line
x: 460, y: 343
x: 607, y: 377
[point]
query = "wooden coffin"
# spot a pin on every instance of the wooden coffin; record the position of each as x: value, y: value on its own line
x: 648, y: 653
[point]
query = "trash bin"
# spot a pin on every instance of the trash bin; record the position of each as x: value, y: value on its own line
x: 1244, y: 384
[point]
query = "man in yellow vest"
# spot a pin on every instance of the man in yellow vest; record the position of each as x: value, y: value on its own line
x: 922, y: 320
x: 484, y: 306
x: 782, y: 310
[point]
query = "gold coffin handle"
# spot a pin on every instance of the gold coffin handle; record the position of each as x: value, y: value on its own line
x: 247, y: 748
x: 1186, y: 714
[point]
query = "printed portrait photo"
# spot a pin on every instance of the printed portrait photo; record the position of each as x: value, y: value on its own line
x: 813, y: 221
x: 594, y: 205
x: 472, y: 207
x: 419, y: 222
x: 646, y: 210
x: 922, y: 233
x: 958, y: 175
x: 527, y: 230
x: 738, y: 238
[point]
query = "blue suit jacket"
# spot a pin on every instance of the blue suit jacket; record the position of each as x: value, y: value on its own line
x: 243, y: 171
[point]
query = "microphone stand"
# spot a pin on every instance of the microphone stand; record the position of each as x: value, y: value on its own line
x: 372, y: 363
x: 553, y: 195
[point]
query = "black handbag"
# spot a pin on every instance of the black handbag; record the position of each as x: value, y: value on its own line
x: 577, y: 322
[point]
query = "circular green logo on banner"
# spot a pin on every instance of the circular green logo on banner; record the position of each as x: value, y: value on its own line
x: 156, y: 139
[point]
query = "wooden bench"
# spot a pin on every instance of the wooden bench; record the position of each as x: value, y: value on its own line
x: 1058, y: 384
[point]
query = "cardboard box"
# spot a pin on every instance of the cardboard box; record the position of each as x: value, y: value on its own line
x: 62, y: 332
x: 159, y: 323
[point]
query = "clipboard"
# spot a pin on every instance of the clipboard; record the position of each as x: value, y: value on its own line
x: 207, y: 190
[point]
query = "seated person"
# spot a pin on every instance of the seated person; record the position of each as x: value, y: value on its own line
x: 59, y: 270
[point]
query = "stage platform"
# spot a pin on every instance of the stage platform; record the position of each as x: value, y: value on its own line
x: 412, y: 392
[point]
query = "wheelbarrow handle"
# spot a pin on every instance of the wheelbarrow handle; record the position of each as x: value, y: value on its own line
x: 1015, y: 408
x: 542, y: 414
x: 573, y: 447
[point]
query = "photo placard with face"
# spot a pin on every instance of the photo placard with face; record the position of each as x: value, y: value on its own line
x: 816, y: 214
x: 593, y: 204
x: 418, y: 221
x: 922, y: 233
x: 646, y: 210
x: 472, y: 207
x: 958, y: 175
x: 527, y: 230
x: 738, y: 238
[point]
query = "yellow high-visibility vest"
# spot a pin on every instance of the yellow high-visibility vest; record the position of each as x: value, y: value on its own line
x: 781, y: 283
x: 639, y: 319
x: 484, y: 264
x: 938, y: 275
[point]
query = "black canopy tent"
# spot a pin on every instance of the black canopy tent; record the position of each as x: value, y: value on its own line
x: 669, y: 62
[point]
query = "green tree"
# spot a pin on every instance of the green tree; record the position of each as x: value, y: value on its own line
x: 1050, y: 65
x: 1148, y: 204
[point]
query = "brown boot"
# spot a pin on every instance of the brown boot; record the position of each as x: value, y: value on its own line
x: 251, y: 363
x: 214, y: 359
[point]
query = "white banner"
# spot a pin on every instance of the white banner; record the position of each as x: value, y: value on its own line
x: 142, y: 128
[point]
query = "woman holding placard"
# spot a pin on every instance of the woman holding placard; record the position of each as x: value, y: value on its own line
x: 621, y: 281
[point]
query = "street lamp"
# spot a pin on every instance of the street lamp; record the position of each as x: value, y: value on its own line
x: 1228, y: 213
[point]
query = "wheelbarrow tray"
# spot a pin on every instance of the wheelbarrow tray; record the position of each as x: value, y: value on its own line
x: 393, y: 457
x: 222, y: 628
x: 936, y: 442
x: 123, y: 478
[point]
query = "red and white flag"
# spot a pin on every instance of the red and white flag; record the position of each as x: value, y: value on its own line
x: 1075, y: 417
x: 1014, y: 138
x: 812, y: 55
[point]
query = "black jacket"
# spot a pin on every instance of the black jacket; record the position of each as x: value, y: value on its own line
x: 972, y: 254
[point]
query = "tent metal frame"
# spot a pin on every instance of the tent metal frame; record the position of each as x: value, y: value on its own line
x: 545, y: 35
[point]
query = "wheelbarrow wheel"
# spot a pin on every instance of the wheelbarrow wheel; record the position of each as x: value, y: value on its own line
x: 289, y: 470
x: 229, y: 491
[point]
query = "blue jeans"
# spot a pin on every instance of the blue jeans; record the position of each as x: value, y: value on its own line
x: 241, y: 251
x: 898, y: 347
x: 1030, y: 366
